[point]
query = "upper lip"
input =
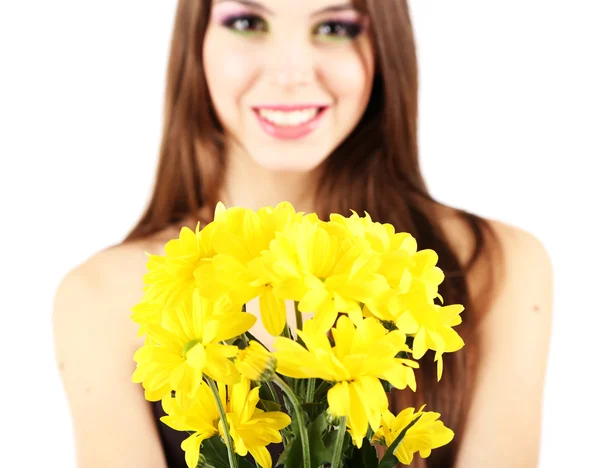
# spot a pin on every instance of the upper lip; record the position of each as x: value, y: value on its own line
x: 290, y: 107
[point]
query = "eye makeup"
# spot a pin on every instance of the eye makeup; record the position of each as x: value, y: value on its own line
x: 339, y: 29
x: 245, y: 23
x: 239, y: 19
x: 344, y: 25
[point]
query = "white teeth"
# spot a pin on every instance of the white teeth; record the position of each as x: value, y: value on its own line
x: 288, y: 119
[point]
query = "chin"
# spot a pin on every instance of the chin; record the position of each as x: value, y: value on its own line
x: 289, y: 160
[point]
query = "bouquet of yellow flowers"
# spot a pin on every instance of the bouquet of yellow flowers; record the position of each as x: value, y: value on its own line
x: 364, y: 314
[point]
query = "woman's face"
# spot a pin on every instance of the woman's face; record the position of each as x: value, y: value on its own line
x: 289, y: 79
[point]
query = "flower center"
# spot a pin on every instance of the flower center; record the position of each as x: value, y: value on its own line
x: 188, y: 346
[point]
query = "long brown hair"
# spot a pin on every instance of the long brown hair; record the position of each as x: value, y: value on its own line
x: 376, y: 169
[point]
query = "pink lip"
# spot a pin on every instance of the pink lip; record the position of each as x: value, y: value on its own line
x: 290, y: 133
x: 290, y: 107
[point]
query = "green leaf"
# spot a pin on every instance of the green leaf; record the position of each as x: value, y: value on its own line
x: 286, y: 451
x: 347, y: 447
x: 319, y: 452
x: 389, y: 460
x: 267, y: 405
x: 215, y: 454
x: 322, y: 387
x: 364, y: 457
x: 314, y: 410
x: 245, y: 463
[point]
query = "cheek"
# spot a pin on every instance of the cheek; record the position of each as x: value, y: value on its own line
x: 230, y: 70
x: 348, y: 76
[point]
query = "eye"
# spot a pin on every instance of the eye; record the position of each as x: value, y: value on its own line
x: 246, y: 24
x: 338, y: 29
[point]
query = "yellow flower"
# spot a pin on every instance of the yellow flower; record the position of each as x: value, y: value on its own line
x: 201, y: 417
x: 255, y: 362
x: 170, y: 277
x: 410, y: 273
x: 413, y: 279
x: 362, y: 355
x: 239, y: 240
x: 396, y: 249
x: 186, y: 346
x: 425, y: 275
x: 251, y: 428
x: 381, y: 237
x: 431, y: 325
x: 146, y: 313
x: 325, y: 271
x: 428, y: 433
x: 244, y: 234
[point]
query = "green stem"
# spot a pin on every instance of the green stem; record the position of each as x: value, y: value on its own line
x: 245, y: 339
x: 339, y: 444
x: 301, y: 423
x: 272, y: 392
x: 298, y: 317
x: 228, y: 440
x: 321, y: 386
x: 310, y: 391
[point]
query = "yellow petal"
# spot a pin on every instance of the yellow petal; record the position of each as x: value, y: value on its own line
x: 338, y: 398
x: 233, y: 324
x: 407, y: 324
x: 220, y: 210
x: 262, y: 456
x: 196, y: 357
x: 452, y: 340
x: 343, y: 333
x: 324, y: 319
x: 372, y: 395
x: 293, y: 360
x: 313, y: 299
x: 357, y: 417
x: 191, y: 446
x: 218, y: 365
x: 419, y: 347
x: 272, y: 312
x: 238, y: 397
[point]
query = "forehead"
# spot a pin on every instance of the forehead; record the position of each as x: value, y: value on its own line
x: 294, y: 7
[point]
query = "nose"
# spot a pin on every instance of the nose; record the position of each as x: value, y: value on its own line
x: 291, y: 64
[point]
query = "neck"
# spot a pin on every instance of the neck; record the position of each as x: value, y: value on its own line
x: 252, y: 186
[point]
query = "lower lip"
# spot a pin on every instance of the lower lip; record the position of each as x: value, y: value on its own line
x: 291, y: 133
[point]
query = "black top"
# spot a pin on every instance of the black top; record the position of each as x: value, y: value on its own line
x: 170, y: 439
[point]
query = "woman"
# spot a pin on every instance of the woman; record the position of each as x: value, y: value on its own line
x: 312, y: 102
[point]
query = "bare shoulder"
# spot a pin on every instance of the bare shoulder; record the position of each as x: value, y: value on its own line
x: 523, y: 289
x: 527, y: 272
x: 113, y: 278
x: 516, y: 256
x: 515, y: 337
x: 523, y: 306
x: 113, y: 274
x: 95, y: 339
x: 116, y: 263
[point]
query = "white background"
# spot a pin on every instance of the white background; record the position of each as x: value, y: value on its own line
x: 510, y: 117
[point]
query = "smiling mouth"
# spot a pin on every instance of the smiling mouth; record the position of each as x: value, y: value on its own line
x: 289, y: 116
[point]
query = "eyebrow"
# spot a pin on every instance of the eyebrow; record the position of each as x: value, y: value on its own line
x: 260, y: 6
x: 334, y: 9
x: 249, y: 3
